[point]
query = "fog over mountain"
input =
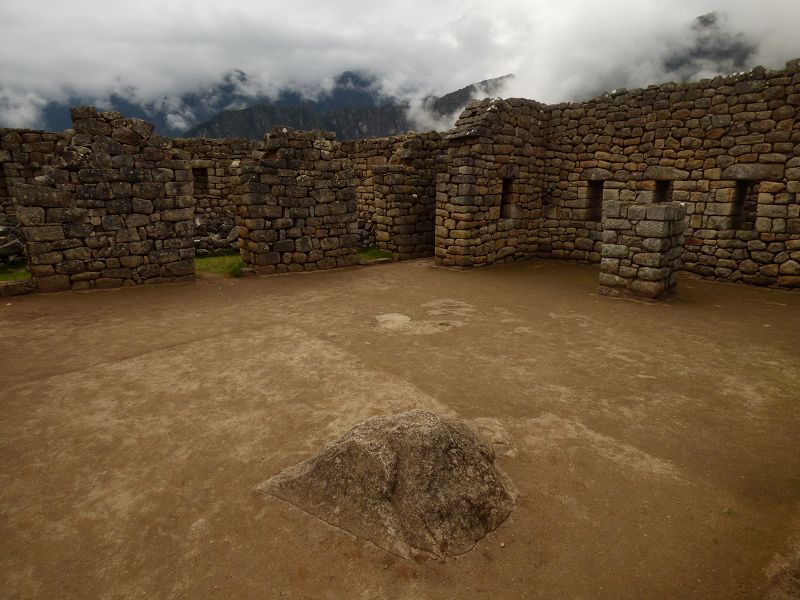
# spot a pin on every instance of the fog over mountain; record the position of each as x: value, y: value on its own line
x: 180, y: 63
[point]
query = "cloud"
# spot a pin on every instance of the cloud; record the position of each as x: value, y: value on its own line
x: 153, y: 52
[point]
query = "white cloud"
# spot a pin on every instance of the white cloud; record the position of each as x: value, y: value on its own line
x: 151, y: 50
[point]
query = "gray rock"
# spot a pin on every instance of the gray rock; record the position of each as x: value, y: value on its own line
x: 410, y: 483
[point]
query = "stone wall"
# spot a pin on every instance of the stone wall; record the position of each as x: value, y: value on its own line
x: 214, y: 165
x: 514, y: 179
x: 115, y: 209
x: 728, y: 148
x: 416, y: 151
x: 405, y: 205
x: 490, y: 186
x: 642, y: 247
x: 296, y: 208
x: 24, y: 153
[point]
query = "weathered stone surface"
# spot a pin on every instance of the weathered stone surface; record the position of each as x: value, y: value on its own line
x: 597, y: 174
x: 754, y: 172
x: 513, y: 180
x: 655, y: 228
x: 410, y: 483
x: 291, y: 239
x: 665, y: 173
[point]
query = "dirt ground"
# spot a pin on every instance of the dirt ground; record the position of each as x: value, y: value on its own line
x: 655, y: 446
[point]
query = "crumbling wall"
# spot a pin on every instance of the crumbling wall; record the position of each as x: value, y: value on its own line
x: 24, y: 153
x: 490, y: 186
x: 116, y: 208
x: 296, y: 208
x: 214, y: 167
x: 642, y: 246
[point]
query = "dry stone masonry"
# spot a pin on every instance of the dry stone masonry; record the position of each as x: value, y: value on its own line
x: 728, y: 148
x: 405, y: 204
x: 642, y: 245
x: 215, y: 172
x: 418, y: 153
x: 513, y: 180
x: 116, y: 208
x: 297, y: 206
x: 488, y: 195
x: 24, y: 154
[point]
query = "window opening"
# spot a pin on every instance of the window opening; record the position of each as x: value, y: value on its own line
x: 596, y: 200
x: 663, y: 191
x: 505, y: 198
x: 745, y: 204
x: 200, y: 176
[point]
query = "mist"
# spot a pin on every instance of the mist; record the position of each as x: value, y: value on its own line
x: 157, y: 52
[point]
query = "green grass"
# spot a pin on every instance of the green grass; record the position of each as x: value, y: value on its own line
x: 17, y: 271
x: 373, y: 253
x: 228, y: 264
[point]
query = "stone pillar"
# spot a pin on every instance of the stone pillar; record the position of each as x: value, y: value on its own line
x: 642, y: 245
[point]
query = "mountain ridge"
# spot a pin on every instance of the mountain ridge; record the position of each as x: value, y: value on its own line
x: 387, y: 116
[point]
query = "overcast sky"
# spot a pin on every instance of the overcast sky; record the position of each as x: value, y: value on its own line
x: 559, y: 50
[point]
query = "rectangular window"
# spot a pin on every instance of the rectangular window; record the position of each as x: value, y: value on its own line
x: 596, y: 201
x: 745, y: 204
x: 505, y: 199
x: 200, y: 176
x: 663, y: 191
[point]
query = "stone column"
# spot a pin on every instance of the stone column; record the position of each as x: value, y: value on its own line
x: 642, y: 245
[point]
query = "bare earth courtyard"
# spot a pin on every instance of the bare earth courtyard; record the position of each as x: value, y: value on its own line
x: 654, y: 446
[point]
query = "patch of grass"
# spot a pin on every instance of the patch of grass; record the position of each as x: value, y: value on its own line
x: 17, y: 271
x: 373, y: 253
x: 227, y: 263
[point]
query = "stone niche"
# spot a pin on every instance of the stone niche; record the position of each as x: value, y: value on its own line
x: 642, y: 245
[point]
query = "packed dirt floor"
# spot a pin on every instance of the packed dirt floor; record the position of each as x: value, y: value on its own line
x: 655, y: 446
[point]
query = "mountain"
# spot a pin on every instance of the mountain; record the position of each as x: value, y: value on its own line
x: 352, y: 109
x: 352, y: 105
x: 170, y: 115
x: 456, y: 101
x: 709, y: 48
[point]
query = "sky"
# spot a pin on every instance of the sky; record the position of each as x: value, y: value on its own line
x: 153, y: 52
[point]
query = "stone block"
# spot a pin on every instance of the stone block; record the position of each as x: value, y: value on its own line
x: 653, y: 229
x: 660, y: 173
x: 754, y: 172
x: 614, y: 251
x: 43, y: 233
x: 31, y: 216
x: 36, y: 195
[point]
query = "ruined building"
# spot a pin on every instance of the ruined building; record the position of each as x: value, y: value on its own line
x: 698, y: 177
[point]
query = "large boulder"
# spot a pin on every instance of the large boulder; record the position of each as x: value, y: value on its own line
x: 410, y: 483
